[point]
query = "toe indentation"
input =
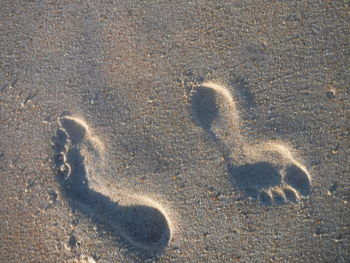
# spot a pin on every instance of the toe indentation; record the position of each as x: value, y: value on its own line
x: 278, y: 197
x: 290, y: 194
x: 265, y: 198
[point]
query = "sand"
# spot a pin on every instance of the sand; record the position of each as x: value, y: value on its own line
x: 159, y: 131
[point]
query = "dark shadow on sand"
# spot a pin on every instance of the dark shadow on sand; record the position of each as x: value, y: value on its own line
x: 295, y: 177
x: 204, y: 107
x: 255, y: 177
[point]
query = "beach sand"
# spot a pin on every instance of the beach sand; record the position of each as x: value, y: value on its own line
x: 161, y: 131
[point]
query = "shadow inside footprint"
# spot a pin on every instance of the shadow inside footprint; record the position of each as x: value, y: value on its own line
x: 262, y: 181
x: 298, y: 179
x: 204, y: 107
x: 75, y: 130
x: 76, y: 184
x: 252, y: 178
x: 143, y: 226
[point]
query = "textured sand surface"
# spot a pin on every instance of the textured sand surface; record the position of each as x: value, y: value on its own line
x: 187, y: 131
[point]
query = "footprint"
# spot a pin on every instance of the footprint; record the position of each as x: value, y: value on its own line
x: 267, y: 172
x: 77, y: 158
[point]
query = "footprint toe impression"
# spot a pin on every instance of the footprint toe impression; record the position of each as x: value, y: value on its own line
x: 278, y: 197
x: 265, y: 198
x: 260, y: 180
x: 290, y: 194
x: 143, y: 226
